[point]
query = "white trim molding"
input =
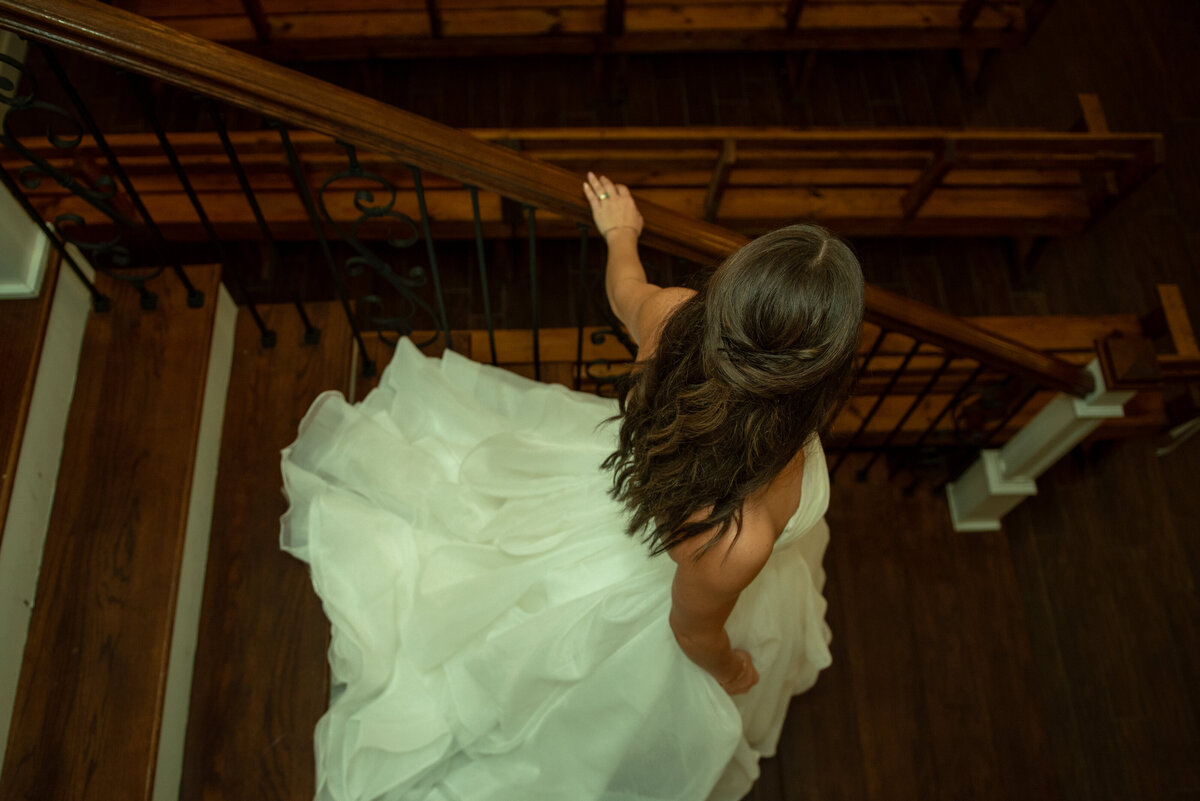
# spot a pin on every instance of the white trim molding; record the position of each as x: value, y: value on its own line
x: 1000, y: 479
x: 168, y: 773
x: 36, y: 477
x: 24, y: 247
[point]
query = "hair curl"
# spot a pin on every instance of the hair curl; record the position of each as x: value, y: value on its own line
x: 745, y: 372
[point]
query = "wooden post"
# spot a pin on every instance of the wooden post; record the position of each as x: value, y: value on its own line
x: 614, y: 17
x: 968, y: 13
x: 435, y: 19
x: 1027, y: 250
x: 919, y: 192
x: 1034, y: 13
x: 1091, y: 114
x: 1000, y: 479
x: 1176, y: 321
x: 1093, y: 120
x: 716, y: 185
x: 1180, y: 368
x: 970, y: 62
x: 792, y: 16
x: 258, y: 18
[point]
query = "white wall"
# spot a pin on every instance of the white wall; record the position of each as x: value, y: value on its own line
x: 23, y: 247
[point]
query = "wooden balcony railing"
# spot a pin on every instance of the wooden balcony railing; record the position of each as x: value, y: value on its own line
x: 150, y: 49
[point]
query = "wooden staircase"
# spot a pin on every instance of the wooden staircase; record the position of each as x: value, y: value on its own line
x: 101, y: 704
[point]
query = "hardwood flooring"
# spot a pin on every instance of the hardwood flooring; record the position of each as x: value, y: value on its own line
x: 263, y: 677
x: 100, y: 633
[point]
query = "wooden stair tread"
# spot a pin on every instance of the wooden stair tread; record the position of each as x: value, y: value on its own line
x: 22, y: 331
x: 89, y: 704
x: 261, y: 680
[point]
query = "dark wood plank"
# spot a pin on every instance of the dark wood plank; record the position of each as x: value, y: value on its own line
x: 22, y: 331
x: 261, y: 679
x: 85, y: 723
x: 876, y: 583
x: 820, y: 749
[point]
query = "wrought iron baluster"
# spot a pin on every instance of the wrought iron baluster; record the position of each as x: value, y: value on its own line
x: 306, y: 198
x: 371, y: 210
x: 97, y: 195
x: 592, y: 289
x: 579, y: 302
x: 862, y: 473
x: 959, y: 394
x: 925, y: 390
x: 887, y: 390
x: 100, y: 301
x: 433, y: 265
x: 166, y: 254
x: 883, y: 332
x: 141, y: 90
x: 311, y: 334
x: 483, y: 275
x: 535, y: 316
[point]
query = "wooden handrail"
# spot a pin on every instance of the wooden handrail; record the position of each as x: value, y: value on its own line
x: 142, y: 46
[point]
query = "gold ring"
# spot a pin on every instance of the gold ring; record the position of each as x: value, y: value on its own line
x: 603, y: 196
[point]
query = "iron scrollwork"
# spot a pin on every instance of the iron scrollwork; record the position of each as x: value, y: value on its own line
x: 604, y: 373
x: 65, y: 133
x: 373, y: 211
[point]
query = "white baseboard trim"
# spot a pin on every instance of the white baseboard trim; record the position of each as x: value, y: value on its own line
x: 28, y: 284
x: 36, y: 478
x: 169, y: 771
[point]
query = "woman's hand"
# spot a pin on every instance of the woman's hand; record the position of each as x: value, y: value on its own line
x: 745, y: 678
x: 612, y: 205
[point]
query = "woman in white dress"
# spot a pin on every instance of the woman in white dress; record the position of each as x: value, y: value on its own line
x: 539, y: 594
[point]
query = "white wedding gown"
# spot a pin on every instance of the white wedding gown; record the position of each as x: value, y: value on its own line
x: 496, y: 634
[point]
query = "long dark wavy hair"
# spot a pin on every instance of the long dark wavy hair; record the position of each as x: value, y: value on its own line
x: 745, y: 372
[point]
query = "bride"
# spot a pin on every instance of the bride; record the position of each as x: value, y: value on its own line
x: 539, y: 594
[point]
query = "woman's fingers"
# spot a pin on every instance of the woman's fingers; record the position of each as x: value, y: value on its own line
x: 597, y: 183
x: 612, y: 204
x: 590, y: 194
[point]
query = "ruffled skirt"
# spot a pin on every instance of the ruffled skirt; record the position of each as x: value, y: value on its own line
x: 496, y: 634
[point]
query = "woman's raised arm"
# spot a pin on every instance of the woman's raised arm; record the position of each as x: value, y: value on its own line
x: 639, y: 304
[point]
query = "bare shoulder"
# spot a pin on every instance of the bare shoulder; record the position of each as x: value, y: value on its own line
x: 653, y: 313
x: 733, y: 562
